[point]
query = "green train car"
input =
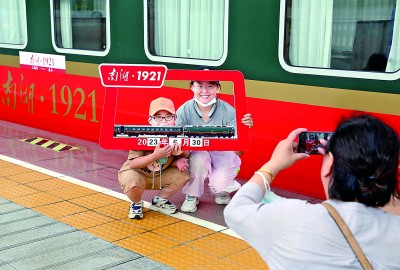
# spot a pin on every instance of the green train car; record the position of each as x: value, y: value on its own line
x: 209, y: 131
x: 305, y: 63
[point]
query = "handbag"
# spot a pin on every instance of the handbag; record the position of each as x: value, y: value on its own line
x: 349, y: 236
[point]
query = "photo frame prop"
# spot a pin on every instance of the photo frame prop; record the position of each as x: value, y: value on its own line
x: 131, y: 88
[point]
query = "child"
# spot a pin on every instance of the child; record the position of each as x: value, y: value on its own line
x: 165, y: 168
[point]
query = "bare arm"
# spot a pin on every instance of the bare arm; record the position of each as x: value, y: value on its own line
x: 284, y: 155
x: 143, y: 161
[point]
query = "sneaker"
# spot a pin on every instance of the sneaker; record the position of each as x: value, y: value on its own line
x: 163, y: 206
x: 190, y: 204
x: 136, y: 211
x: 222, y: 199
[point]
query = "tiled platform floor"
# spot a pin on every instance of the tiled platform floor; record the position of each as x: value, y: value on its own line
x: 77, y: 193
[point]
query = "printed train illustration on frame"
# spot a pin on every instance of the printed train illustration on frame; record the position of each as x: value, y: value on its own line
x: 174, y: 131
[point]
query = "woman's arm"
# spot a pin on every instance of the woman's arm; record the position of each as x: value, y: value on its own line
x: 245, y: 214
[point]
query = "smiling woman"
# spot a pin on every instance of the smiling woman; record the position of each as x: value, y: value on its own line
x: 219, y: 167
x: 205, y: 95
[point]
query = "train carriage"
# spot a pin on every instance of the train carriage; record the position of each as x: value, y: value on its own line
x: 136, y: 131
x: 345, y: 59
x: 209, y: 131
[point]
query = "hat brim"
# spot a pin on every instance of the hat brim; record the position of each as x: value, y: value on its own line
x: 162, y: 109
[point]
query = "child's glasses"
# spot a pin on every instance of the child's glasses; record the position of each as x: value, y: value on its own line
x: 159, y: 118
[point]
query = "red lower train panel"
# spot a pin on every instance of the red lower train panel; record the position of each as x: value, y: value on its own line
x: 73, y: 105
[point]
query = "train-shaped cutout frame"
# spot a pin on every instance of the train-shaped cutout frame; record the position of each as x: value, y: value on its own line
x: 204, y: 138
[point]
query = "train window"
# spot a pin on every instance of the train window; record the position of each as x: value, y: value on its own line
x: 13, y: 30
x: 188, y: 32
x: 81, y: 26
x: 346, y: 38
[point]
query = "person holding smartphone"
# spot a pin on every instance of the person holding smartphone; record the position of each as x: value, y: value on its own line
x: 359, y: 174
x: 220, y: 167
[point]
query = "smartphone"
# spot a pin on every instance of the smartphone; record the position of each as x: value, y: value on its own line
x: 309, y: 141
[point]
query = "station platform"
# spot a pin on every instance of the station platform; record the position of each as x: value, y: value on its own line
x: 61, y: 207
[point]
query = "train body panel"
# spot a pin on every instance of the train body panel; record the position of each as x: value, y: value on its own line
x: 71, y: 103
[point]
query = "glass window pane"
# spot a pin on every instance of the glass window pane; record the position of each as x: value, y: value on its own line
x: 80, y: 24
x: 13, y: 24
x: 191, y: 29
x: 355, y: 35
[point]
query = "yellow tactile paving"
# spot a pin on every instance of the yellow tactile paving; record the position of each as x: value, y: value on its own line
x: 164, y: 238
x: 117, y: 210
x: 86, y: 219
x: 219, y: 244
x: 183, y: 231
x: 5, y: 163
x: 153, y: 220
x: 248, y: 258
x: 36, y: 199
x: 70, y: 193
x: 60, y: 209
x: 49, y: 184
x: 147, y: 243
x: 95, y: 200
x: 13, y: 170
x: 114, y: 231
x: 29, y: 177
x: 16, y: 191
x: 184, y: 257
x: 220, y: 265
x: 6, y: 183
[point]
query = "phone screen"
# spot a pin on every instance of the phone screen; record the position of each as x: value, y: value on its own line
x: 309, y: 141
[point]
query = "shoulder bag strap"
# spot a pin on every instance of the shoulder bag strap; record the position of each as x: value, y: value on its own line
x: 349, y: 236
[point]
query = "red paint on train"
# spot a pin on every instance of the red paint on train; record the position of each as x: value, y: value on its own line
x: 73, y: 105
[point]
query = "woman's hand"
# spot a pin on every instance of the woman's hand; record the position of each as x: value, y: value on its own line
x: 176, y: 150
x: 285, y: 153
x: 247, y: 120
x: 182, y: 164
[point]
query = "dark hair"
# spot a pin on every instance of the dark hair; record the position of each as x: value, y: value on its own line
x: 366, y: 159
x: 216, y: 82
x: 376, y: 62
x: 205, y: 68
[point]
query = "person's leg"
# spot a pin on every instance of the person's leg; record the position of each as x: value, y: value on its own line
x: 222, y: 179
x: 168, y: 191
x: 199, y: 168
x: 135, y: 194
x: 172, y: 181
x: 133, y: 184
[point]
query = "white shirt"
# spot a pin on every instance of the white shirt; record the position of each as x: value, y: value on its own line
x: 294, y: 234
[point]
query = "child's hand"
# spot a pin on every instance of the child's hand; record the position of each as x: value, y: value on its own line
x: 162, y: 151
x: 182, y: 164
x: 176, y: 149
